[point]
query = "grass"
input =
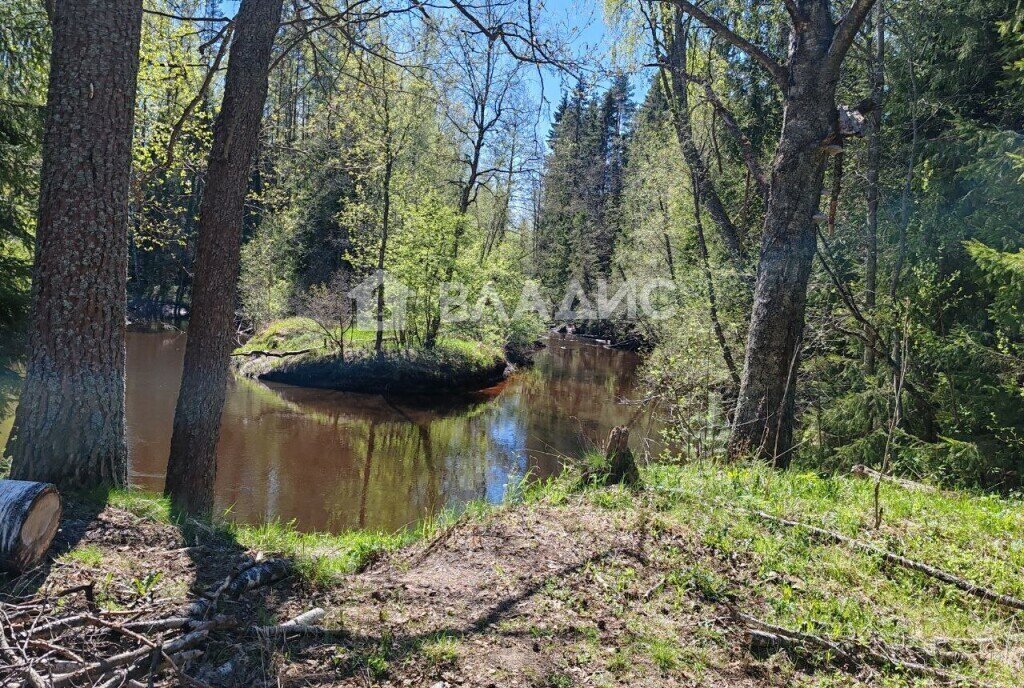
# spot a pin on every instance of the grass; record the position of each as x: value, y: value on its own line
x: 319, y: 558
x: 787, y: 577
x: 718, y: 552
x: 453, y: 364
x: 86, y: 555
x: 797, y: 581
x: 440, y: 649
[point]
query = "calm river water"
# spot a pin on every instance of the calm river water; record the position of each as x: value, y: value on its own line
x: 334, y: 461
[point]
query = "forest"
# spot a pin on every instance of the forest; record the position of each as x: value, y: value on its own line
x: 511, y: 343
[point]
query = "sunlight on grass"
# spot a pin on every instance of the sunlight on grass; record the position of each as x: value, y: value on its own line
x: 86, y: 555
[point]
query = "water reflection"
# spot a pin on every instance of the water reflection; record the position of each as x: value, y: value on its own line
x: 334, y: 461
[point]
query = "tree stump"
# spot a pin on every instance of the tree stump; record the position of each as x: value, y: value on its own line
x: 619, y: 464
x: 29, y: 518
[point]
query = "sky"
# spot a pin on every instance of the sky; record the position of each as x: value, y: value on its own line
x: 583, y: 20
x: 580, y: 20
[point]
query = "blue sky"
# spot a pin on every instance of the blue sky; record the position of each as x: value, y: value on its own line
x: 582, y: 20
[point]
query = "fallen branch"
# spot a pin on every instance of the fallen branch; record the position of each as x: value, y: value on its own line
x: 851, y: 653
x: 185, y: 642
x: 312, y: 617
x: 32, y: 676
x: 862, y: 471
x: 258, y: 575
x: 892, y: 558
x: 298, y: 630
x: 304, y: 624
x: 274, y: 354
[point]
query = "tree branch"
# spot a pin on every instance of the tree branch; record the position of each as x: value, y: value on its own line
x: 847, y: 30
x: 774, y: 67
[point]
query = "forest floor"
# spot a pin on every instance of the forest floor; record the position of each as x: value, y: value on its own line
x: 664, y: 586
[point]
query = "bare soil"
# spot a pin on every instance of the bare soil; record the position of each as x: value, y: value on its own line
x: 539, y: 595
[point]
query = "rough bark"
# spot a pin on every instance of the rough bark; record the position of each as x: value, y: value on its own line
x: 69, y: 428
x: 765, y: 411
x: 29, y: 518
x: 192, y: 468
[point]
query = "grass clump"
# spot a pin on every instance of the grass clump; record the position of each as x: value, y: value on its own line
x: 440, y: 649
x: 85, y: 555
x: 148, y: 505
x: 319, y: 558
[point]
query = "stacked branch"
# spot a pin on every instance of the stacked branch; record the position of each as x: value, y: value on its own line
x: 45, y: 643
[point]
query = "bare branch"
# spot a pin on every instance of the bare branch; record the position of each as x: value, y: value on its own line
x: 846, y: 31
x: 774, y: 67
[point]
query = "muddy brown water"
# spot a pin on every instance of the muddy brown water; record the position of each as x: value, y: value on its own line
x: 332, y: 461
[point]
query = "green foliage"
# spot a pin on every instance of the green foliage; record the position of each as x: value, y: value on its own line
x: 581, y: 187
x: 24, y: 50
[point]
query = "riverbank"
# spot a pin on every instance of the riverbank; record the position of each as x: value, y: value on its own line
x: 293, y: 352
x: 682, y: 583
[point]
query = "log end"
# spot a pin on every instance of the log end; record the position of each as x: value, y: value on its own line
x: 29, y: 519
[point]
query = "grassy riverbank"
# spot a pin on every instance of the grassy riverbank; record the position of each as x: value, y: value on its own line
x: 453, y: 365
x: 571, y: 586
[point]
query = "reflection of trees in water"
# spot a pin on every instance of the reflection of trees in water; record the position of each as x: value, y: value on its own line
x: 571, y: 400
x: 332, y: 460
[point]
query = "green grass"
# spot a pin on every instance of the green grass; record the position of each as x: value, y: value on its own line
x: 440, y: 649
x: 798, y: 581
x: 288, y: 334
x: 319, y: 558
x: 86, y: 555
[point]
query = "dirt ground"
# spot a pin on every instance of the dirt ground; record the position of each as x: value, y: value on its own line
x: 573, y: 595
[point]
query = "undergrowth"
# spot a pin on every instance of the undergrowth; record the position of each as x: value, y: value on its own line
x: 720, y: 552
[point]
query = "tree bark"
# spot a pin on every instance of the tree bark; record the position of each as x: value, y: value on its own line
x: 765, y: 411
x: 29, y: 518
x: 69, y: 428
x: 192, y: 467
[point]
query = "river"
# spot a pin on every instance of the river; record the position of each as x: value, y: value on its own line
x: 332, y: 461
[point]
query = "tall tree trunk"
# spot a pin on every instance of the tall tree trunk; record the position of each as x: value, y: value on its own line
x: 193, y: 464
x: 69, y: 428
x: 716, y: 323
x: 378, y: 345
x: 674, y: 79
x: 765, y: 411
x: 877, y: 77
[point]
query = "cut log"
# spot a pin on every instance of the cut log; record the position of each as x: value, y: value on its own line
x: 259, y: 574
x: 29, y: 518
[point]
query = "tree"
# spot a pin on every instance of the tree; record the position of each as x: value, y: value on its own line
x: 765, y: 410
x: 70, y: 425
x: 674, y: 80
x: 482, y: 102
x: 874, y: 133
x: 192, y: 467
